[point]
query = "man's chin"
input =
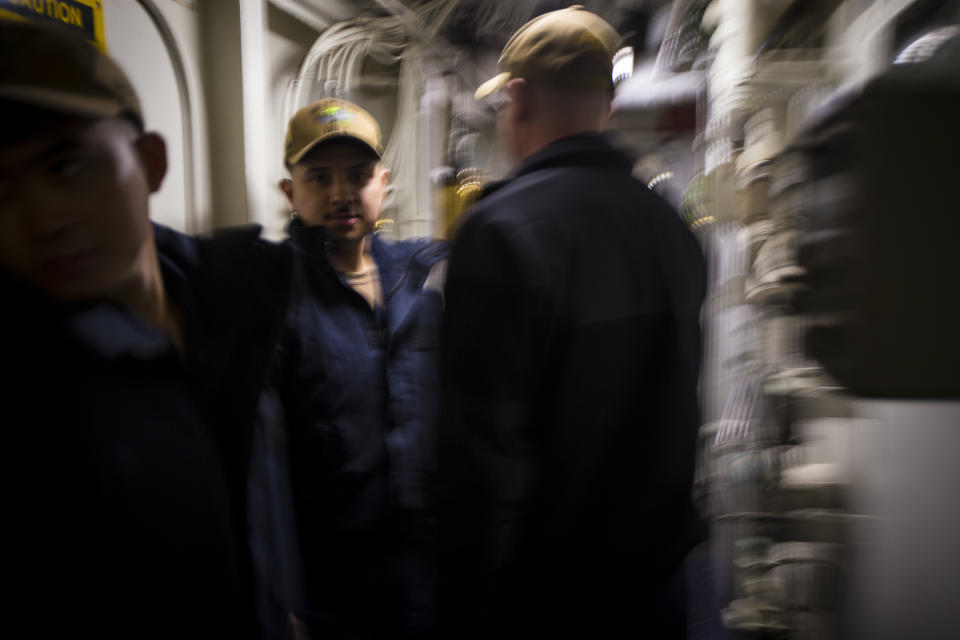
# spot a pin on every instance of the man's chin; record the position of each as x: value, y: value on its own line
x: 352, y: 234
x: 76, y: 291
x: 89, y: 287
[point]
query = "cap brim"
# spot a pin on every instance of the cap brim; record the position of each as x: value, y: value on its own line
x: 338, y: 137
x: 69, y: 103
x: 490, y: 86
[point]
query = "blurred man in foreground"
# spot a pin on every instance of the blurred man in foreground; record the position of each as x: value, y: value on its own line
x: 136, y: 362
x: 569, y: 362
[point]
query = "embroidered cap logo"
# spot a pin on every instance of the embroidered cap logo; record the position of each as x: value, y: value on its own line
x: 334, y: 115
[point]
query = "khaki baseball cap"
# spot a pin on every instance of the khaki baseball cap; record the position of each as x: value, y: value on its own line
x: 50, y: 67
x: 570, y: 47
x: 325, y: 120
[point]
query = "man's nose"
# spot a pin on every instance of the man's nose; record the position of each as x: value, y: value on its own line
x: 341, y: 189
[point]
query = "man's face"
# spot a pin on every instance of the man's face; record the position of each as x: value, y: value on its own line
x: 74, y: 207
x: 340, y: 186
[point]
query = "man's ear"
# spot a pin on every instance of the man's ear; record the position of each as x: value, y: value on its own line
x: 286, y: 185
x: 607, y: 116
x: 521, y: 96
x: 384, y: 179
x: 153, y: 152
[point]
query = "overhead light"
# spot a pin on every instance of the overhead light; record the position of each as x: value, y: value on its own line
x: 926, y: 45
x: 660, y: 177
x: 622, y: 65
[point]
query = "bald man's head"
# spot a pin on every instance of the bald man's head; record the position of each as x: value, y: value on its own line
x: 535, y: 113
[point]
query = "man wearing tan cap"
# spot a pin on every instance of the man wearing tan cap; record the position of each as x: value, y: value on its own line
x: 358, y: 380
x: 569, y: 362
x: 134, y: 355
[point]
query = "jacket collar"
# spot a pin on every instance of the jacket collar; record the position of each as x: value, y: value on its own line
x: 103, y: 329
x: 112, y: 332
x: 577, y: 150
x: 309, y: 238
x: 396, y: 262
x: 393, y: 260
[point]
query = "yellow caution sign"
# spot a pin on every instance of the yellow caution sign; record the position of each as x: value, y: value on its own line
x: 84, y: 15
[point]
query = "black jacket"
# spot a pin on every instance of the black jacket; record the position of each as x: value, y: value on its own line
x: 234, y: 289
x: 570, y: 355
x: 129, y: 458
